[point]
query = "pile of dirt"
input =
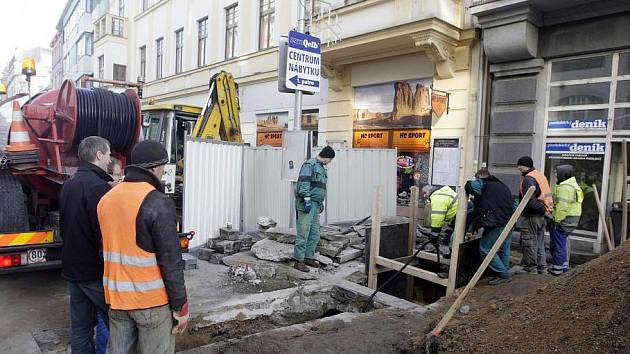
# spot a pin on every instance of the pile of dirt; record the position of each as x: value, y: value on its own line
x: 584, y: 311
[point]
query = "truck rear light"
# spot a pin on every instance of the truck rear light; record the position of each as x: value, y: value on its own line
x: 10, y: 260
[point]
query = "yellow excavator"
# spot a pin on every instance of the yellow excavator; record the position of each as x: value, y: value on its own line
x: 170, y: 124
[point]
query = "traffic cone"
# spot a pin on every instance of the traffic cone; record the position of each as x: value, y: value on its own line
x: 19, y: 140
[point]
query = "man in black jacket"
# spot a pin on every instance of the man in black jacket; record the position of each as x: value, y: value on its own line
x: 493, y: 207
x: 144, y: 271
x: 82, y: 262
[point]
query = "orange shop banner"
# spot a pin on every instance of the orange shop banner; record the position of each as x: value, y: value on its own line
x: 375, y: 139
x: 269, y: 138
x: 413, y: 140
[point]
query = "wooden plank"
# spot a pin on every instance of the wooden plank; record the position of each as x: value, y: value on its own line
x: 602, y: 218
x: 428, y: 256
x: 624, y: 192
x: 482, y: 268
x: 375, y: 238
x: 460, y: 229
x: 403, y: 260
x: 411, y: 241
x: 411, y: 270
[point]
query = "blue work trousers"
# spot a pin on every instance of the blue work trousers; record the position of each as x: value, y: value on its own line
x: 558, y: 250
x: 86, y: 300
x: 501, y: 261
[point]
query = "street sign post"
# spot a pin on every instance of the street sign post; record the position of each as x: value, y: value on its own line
x: 303, y: 62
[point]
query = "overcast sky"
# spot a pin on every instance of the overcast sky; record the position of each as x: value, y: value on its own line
x: 27, y: 24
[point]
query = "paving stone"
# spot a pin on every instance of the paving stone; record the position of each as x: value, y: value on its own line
x: 360, y: 246
x: 272, y: 250
x: 216, y: 258
x: 330, y: 249
x: 190, y: 261
x: 325, y: 261
x: 228, y: 234
x: 348, y: 254
x: 204, y: 253
x: 246, y: 240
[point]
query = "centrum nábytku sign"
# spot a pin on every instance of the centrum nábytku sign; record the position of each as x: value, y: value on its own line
x: 303, y: 62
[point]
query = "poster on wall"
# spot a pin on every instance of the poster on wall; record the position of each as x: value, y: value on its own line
x: 269, y: 128
x: 401, y: 104
x: 588, y: 160
x: 446, y: 160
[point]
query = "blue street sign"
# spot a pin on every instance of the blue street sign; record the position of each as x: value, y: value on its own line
x: 303, y: 62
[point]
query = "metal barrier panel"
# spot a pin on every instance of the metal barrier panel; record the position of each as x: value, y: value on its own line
x: 264, y: 191
x: 212, y: 187
x: 352, y: 176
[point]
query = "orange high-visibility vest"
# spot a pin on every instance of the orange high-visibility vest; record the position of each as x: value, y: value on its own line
x: 131, y: 277
x: 546, y: 197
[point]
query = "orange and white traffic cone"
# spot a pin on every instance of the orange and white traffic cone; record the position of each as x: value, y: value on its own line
x: 18, y: 139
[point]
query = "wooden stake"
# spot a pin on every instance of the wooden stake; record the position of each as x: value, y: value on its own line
x: 411, y: 242
x: 375, y: 238
x: 624, y: 192
x: 602, y: 218
x: 460, y: 230
x: 609, y: 225
x: 506, y: 231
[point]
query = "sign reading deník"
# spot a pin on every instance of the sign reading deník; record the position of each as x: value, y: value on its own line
x: 577, y: 124
x: 303, y: 62
x: 576, y: 148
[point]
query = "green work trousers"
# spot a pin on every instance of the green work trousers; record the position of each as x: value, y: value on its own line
x: 307, y: 233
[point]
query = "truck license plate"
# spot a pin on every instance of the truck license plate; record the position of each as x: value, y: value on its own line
x: 37, y: 255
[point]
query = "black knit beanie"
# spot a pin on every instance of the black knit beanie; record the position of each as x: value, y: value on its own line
x: 327, y: 153
x: 148, y: 154
x: 525, y: 161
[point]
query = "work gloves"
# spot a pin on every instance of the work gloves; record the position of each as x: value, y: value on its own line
x: 181, y: 319
x: 308, y: 205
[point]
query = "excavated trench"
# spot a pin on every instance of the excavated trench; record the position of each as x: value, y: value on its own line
x: 267, y: 311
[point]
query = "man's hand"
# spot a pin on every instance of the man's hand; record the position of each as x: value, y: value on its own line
x: 181, y: 319
x: 307, y: 204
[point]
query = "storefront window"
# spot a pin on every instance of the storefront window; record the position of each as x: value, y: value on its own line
x: 576, y: 95
x: 624, y: 63
x: 623, y: 91
x: 622, y: 119
x: 588, y: 160
x: 581, y: 68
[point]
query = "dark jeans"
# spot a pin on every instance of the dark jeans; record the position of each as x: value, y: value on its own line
x: 86, y: 299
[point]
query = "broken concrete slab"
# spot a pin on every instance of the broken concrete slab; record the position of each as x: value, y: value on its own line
x: 348, y: 254
x: 330, y: 248
x: 229, y: 247
x: 280, y: 234
x: 204, y: 253
x: 266, y: 268
x: 190, y: 261
x: 265, y: 223
x: 246, y: 240
x: 272, y: 250
x: 360, y: 246
x: 323, y: 260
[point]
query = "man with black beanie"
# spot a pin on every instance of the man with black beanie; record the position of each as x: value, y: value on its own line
x: 310, y: 193
x: 144, y: 272
x: 538, y: 209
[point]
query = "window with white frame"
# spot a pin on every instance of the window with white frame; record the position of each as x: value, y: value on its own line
x: 179, y: 49
x: 101, y: 67
x: 117, y: 27
x: 266, y: 24
x: 587, y: 93
x: 231, y: 30
x: 121, y: 8
x: 159, y: 46
x: 120, y: 72
x: 143, y: 62
x: 202, y: 35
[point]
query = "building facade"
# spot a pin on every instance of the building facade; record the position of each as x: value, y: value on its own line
x: 56, y: 75
x: 177, y: 45
x: 75, y: 26
x: 110, y: 40
x: 558, y: 89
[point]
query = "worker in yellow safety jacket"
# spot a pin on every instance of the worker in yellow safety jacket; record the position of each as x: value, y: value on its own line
x: 568, y: 197
x: 443, y: 210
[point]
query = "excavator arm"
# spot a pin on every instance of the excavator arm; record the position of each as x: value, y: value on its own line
x: 220, y: 117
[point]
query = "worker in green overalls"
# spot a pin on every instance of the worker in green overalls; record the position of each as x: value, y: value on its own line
x: 310, y: 193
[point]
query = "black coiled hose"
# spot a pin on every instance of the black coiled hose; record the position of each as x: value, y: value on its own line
x: 106, y: 114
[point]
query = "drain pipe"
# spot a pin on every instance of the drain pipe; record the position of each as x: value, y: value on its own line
x: 481, y: 98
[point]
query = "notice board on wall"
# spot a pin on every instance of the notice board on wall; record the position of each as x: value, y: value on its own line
x: 445, y: 162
